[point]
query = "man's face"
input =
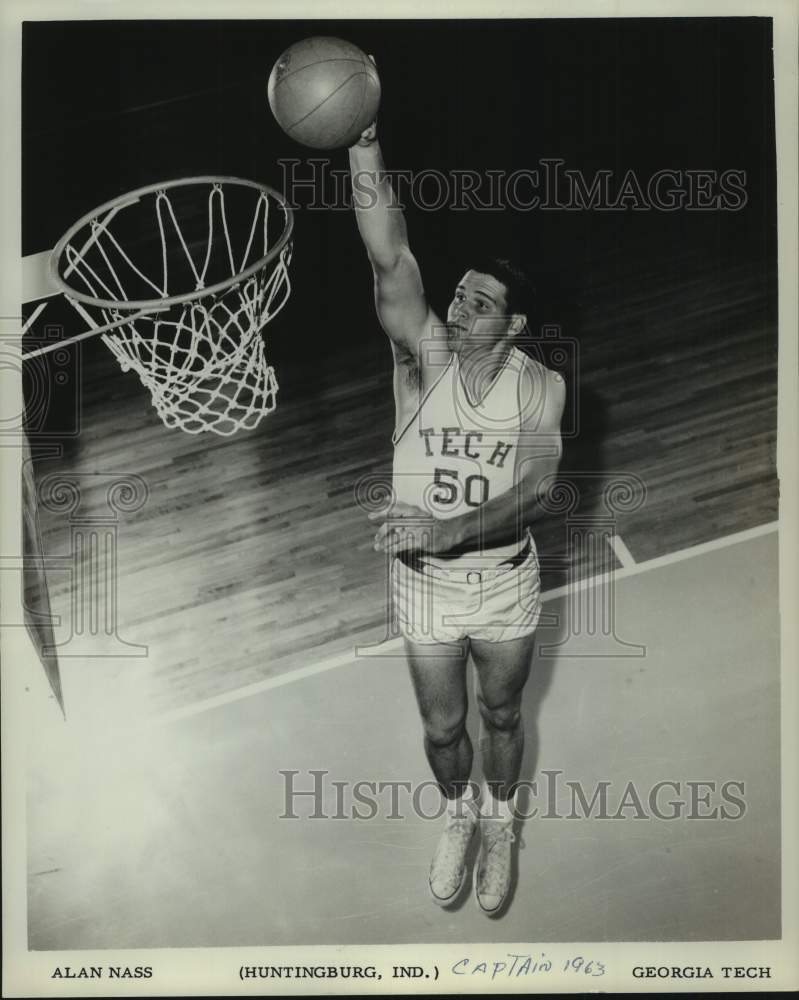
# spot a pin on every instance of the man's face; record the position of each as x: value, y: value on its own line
x: 478, y: 314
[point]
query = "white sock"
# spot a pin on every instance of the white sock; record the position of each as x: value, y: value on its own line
x: 494, y: 808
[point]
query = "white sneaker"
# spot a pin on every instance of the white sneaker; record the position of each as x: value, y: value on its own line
x: 448, y: 867
x: 492, y: 873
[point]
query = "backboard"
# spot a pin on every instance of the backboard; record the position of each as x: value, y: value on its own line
x: 37, y: 400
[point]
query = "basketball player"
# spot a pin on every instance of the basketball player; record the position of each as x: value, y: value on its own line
x: 477, y: 436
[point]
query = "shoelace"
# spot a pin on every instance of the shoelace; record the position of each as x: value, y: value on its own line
x: 459, y: 826
x: 496, y: 866
x: 457, y: 834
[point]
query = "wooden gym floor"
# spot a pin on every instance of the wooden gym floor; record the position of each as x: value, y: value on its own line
x: 250, y: 556
x: 249, y: 576
x: 172, y: 831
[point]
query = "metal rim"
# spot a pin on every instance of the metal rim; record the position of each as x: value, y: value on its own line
x: 134, y: 196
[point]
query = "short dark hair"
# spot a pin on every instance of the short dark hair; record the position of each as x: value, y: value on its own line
x: 521, y: 292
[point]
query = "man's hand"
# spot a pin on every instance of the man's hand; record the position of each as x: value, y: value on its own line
x: 421, y: 532
x: 369, y: 135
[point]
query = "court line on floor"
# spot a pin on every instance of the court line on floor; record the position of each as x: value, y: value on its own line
x: 621, y: 551
x: 660, y: 561
x: 348, y: 657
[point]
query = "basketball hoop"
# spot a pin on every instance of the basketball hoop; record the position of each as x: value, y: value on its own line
x: 181, y: 289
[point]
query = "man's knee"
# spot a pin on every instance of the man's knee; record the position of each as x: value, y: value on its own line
x: 505, y: 716
x: 443, y: 730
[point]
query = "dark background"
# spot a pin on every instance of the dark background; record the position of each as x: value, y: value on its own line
x: 112, y: 105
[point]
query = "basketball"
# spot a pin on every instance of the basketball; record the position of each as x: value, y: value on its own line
x: 324, y: 92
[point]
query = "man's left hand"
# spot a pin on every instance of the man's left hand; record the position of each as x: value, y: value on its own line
x: 407, y: 528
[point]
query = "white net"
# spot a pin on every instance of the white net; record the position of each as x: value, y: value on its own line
x: 203, y: 360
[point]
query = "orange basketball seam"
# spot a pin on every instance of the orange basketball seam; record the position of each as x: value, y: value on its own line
x: 321, y: 103
x: 360, y: 106
x: 320, y: 62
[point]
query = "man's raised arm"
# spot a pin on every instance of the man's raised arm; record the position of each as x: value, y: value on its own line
x: 399, y: 293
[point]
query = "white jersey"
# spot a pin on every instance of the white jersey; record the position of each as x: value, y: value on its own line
x: 452, y: 456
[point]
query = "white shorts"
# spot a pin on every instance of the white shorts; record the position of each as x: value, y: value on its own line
x: 439, y: 606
